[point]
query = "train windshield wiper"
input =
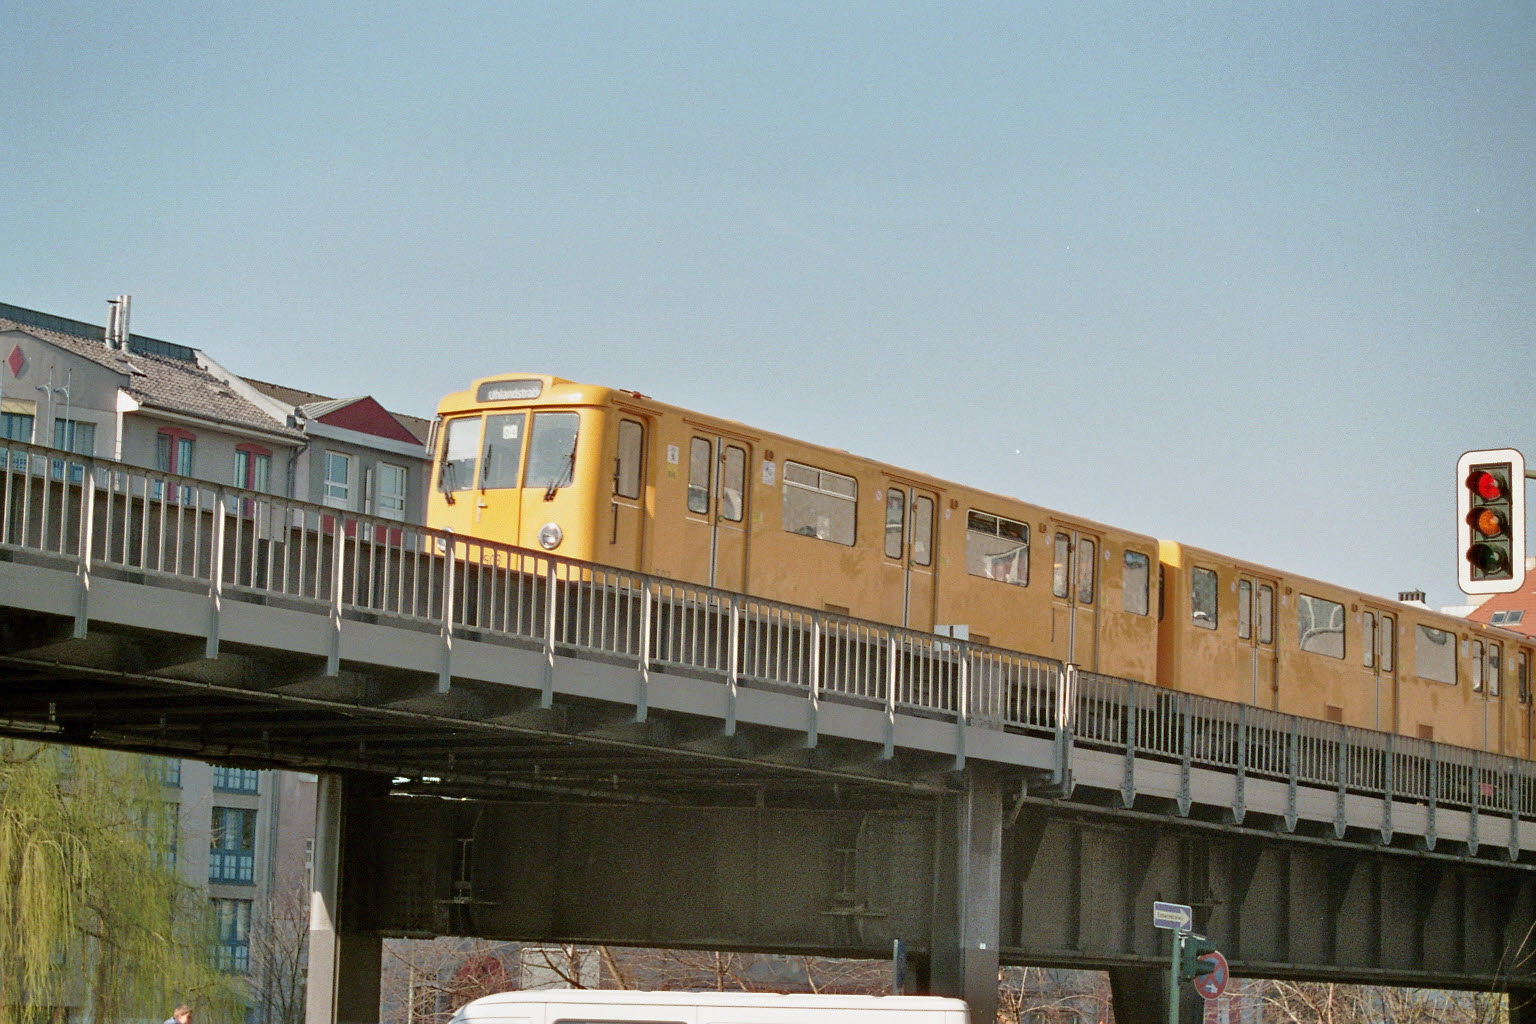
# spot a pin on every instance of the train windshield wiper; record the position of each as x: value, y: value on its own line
x: 564, y: 479
x: 447, y: 479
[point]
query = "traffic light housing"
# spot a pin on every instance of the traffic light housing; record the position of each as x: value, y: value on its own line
x: 1191, y: 948
x: 1490, y: 521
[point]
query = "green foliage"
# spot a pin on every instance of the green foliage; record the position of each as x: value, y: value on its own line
x: 92, y: 912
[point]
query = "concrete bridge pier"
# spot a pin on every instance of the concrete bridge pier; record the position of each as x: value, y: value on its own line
x: 967, y: 926
x: 344, y: 969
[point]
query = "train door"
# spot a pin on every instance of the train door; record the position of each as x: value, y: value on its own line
x: 717, y: 517
x: 1378, y: 652
x: 910, y: 517
x: 626, y: 539
x: 1256, y: 634
x: 1075, y: 596
x: 1522, y: 658
x: 1486, y: 662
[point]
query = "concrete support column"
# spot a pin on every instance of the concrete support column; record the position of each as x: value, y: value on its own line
x: 344, y: 969
x: 968, y: 895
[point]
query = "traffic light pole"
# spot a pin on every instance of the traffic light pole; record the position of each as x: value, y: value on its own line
x: 1174, y: 963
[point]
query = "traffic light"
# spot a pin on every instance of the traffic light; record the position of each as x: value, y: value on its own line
x: 1490, y: 521
x: 1191, y: 948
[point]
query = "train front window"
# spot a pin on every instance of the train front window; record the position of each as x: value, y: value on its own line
x: 461, y: 442
x: 502, y: 454
x: 552, y: 451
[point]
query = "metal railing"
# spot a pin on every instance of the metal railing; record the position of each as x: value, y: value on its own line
x: 163, y: 530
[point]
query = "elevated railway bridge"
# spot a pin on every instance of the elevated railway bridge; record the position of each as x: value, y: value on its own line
x: 517, y: 746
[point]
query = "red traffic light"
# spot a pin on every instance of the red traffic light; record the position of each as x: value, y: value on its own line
x: 1490, y: 532
x: 1487, y: 486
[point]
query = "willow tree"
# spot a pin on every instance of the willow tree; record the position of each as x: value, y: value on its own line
x: 92, y: 911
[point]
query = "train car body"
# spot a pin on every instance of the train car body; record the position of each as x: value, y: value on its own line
x: 614, y: 477
x: 1248, y: 633
x: 617, y: 478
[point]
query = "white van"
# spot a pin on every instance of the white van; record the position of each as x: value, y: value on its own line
x: 587, y: 1006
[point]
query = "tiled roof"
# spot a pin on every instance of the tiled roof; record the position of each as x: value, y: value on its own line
x: 1519, y: 606
x: 314, y: 406
x: 158, y: 382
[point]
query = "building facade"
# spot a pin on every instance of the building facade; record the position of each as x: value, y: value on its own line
x: 246, y: 836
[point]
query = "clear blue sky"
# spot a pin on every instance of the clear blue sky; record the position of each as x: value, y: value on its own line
x: 1250, y: 276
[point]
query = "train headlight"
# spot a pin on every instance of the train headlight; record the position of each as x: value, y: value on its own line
x: 550, y: 536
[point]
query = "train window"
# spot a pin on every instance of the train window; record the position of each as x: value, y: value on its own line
x: 1136, y: 582
x: 1368, y: 639
x: 552, y: 450
x: 922, y: 530
x: 819, y: 503
x: 628, y: 467
x: 1320, y: 625
x: 1062, y: 565
x: 503, y: 454
x: 733, y: 482
x: 1523, y: 676
x: 1087, y: 570
x: 895, y: 522
x: 700, y: 466
x: 461, y: 443
x: 1266, y: 614
x: 997, y: 548
x: 1386, y: 643
x: 1495, y: 670
x: 1244, y: 610
x: 1434, y: 654
x: 1476, y: 663
x: 1202, y: 597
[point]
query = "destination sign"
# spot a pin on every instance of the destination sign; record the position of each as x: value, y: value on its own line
x: 509, y: 390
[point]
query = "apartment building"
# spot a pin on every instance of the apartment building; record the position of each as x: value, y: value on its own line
x: 101, y: 391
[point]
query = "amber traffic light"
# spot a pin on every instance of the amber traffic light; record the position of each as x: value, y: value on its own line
x: 1490, y: 521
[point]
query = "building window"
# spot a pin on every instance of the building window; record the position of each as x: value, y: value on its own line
x: 232, y: 846
x: 235, y: 780
x: 253, y: 467
x: 997, y: 548
x: 173, y: 454
x: 174, y: 450
x: 234, y: 926
x: 390, y: 502
x: 337, y: 490
x: 819, y: 503
x: 75, y: 436
x: 17, y: 426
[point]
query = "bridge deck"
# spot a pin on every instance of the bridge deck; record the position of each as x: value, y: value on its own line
x: 160, y: 613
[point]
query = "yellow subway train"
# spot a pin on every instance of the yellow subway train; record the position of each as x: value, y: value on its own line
x: 615, y: 477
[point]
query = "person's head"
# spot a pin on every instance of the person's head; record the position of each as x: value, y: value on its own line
x: 182, y: 1014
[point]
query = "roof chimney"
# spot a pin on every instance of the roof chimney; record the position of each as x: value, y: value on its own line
x: 116, y: 335
x: 1411, y: 596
